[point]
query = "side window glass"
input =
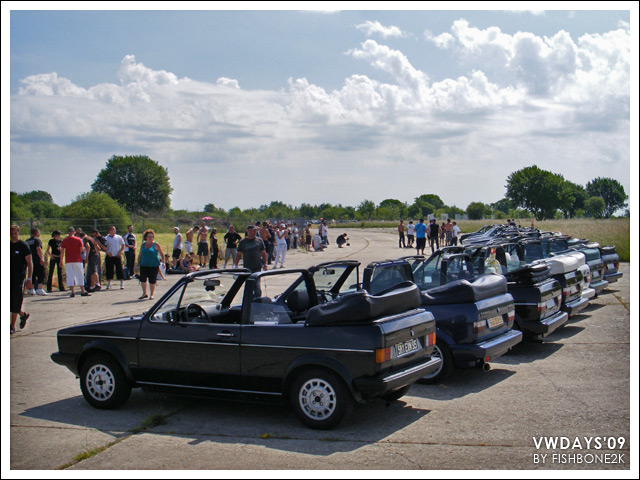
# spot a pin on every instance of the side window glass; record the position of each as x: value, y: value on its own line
x: 268, y: 304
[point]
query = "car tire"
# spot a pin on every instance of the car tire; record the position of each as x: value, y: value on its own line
x: 103, y: 382
x: 442, y: 351
x: 320, y: 399
x: 397, y: 394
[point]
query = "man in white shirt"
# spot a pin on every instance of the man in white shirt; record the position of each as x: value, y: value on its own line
x: 411, y: 232
x: 456, y: 233
x: 281, y: 245
x: 115, y: 247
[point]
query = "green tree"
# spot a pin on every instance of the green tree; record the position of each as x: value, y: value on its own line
x: 431, y: 199
x: 595, y: 207
x: 572, y: 198
x: 503, y: 205
x: 391, y: 204
x: 43, y: 209
x: 94, y: 205
x: 18, y: 208
x: 536, y: 190
x: 476, y: 210
x: 366, y: 210
x: 308, y: 211
x: 136, y: 182
x: 37, y: 196
x: 611, y: 191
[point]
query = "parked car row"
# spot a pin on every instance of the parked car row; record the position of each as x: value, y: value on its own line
x: 330, y: 336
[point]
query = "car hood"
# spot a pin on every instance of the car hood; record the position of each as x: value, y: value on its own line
x: 117, y: 327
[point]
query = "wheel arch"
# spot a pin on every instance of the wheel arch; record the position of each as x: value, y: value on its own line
x: 105, y: 347
x: 334, y: 366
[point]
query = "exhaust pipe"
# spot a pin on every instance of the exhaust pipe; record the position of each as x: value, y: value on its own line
x: 486, y: 367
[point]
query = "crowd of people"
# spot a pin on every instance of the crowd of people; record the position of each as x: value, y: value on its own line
x: 80, y: 256
x: 437, y: 235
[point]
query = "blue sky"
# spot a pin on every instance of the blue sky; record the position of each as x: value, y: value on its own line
x: 246, y: 107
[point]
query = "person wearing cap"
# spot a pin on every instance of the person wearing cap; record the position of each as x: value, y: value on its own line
x: 252, y: 251
x: 281, y: 245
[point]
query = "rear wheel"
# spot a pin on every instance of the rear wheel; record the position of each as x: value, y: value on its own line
x: 320, y: 399
x: 441, y: 351
x: 103, y: 383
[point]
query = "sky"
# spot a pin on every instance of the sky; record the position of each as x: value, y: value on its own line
x: 246, y: 107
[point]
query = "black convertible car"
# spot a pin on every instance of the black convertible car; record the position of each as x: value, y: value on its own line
x: 267, y: 335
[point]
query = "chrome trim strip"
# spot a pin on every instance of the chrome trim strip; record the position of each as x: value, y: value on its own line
x: 194, y: 387
x: 288, y: 347
x: 95, y: 336
x: 311, y: 348
x: 188, y: 341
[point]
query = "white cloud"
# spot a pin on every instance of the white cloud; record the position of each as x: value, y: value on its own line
x: 553, y: 101
x: 372, y: 28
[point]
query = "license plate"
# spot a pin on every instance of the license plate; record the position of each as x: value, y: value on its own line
x: 494, y: 322
x: 405, y: 348
x: 595, y: 274
x: 551, y: 303
x: 611, y: 266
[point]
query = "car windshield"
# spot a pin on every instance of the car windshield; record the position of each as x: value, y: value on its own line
x: 206, y: 291
x: 327, y: 277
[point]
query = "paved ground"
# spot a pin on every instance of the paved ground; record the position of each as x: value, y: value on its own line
x: 576, y: 384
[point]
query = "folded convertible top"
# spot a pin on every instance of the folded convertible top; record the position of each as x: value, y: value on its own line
x: 361, y: 307
x: 463, y: 291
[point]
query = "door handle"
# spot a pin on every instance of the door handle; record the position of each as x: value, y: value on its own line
x: 226, y: 334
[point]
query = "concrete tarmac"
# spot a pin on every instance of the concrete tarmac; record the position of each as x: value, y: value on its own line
x: 575, y: 385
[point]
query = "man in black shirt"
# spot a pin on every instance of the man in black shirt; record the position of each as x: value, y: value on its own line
x: 20, y: 263
x: 37, y: 258
x: 434, y: 230
x: 53, y: 250
x: 252, y: 251
x: 231, y: 239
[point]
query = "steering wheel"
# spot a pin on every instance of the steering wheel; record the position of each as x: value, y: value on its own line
x: 198, y: 307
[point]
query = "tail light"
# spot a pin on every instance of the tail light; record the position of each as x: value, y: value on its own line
x: 479, y: 326
x: 383, y: 355
x: 431, y: 339
x: 511, y: 316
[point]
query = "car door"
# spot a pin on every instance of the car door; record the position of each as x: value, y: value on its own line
x: 181, y: 346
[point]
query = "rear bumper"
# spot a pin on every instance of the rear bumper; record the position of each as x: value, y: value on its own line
x: 588, y: 293
x: 474, y: 354
x: 575, y: 306
x: 546, y: 326
x: 377, y: 386
x: 66, y: 360
x: 612, y: 277
x: 599, y: 286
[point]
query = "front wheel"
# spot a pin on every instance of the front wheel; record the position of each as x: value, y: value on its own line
x: 103, y: 383
x: 320, y: 399
x: 441, y: 351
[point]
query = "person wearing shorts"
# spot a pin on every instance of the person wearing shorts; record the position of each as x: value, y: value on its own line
x: 71, y: 250
x: 421, y: 237
x: 231, y: 239
x: 148, y: 263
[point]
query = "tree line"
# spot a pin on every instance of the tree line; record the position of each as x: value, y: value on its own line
x: 141, y: 186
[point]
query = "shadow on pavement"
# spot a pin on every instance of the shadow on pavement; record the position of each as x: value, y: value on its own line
x: 207, y: 420
x: 461, y: 383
